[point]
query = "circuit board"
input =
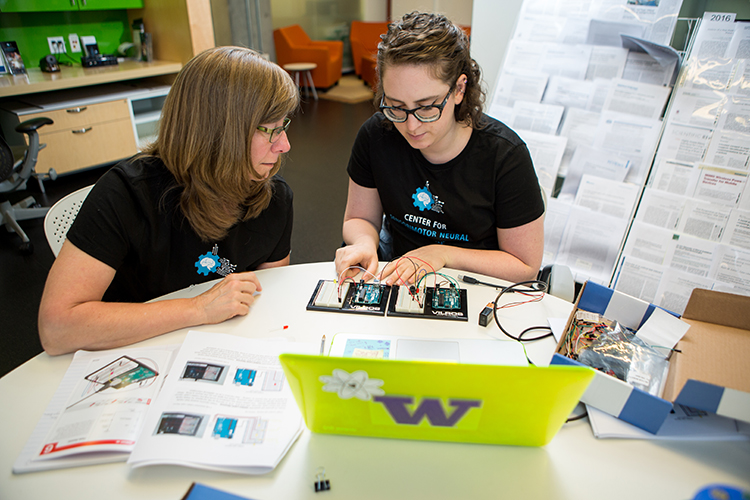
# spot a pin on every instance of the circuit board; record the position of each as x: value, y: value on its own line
x: 360, y: 297
x: 447, y: 302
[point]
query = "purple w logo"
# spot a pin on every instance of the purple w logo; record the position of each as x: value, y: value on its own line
x: 431, y: 408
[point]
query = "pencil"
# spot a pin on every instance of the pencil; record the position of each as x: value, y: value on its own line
x: 322, y: 344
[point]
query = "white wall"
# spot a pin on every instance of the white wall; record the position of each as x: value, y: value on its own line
x: 374, y: 10
x: 458, y: 11
x: 492, y: 25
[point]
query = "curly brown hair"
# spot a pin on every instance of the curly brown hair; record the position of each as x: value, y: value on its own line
x: 205, y: 134
x: 434, y: 41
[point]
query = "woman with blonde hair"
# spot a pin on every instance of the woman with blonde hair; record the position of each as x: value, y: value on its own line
x: 455, y: 187
x: 203, y: 202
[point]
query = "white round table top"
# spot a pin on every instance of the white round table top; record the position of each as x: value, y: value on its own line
x: 300, y: 66
x: 371, y: 468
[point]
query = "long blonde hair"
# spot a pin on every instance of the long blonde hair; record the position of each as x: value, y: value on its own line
x: 207, y: 124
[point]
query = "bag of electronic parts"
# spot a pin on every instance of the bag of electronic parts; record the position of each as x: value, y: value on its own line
x: 647, y: 359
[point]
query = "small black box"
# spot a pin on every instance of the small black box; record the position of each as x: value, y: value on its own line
x: 98, y: 60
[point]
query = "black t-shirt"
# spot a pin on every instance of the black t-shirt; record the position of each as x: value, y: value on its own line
x: 131, y: 221
x: 491, y: 184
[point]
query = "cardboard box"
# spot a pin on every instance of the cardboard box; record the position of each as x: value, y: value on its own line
x: 711, y: 372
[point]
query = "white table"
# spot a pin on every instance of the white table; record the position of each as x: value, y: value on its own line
x: 575, y: 465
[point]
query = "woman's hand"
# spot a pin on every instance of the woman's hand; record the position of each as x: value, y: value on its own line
x: 351, y: 257
x: 231, y: 297
x: 406, y: 269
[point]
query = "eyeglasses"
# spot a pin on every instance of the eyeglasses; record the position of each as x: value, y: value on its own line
x: 275, y: 133
x: 424, y: 114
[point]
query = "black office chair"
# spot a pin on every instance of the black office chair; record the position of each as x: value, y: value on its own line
x: 13, y: 177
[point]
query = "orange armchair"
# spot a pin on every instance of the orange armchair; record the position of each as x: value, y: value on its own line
x: 364, y: 38
x: 294, y: 46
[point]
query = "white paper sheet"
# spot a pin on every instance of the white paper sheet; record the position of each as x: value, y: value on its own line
x: 704, y: 220
x: 605, y: 32
x: 691, y: 255
x: 635, y: 98
x: 685, y: 424
x: 566, y: 60
x: 662, y: 330
x: 676, y: 287
x: 732, y: 268
x: 649, y: 243
x: 243, y: 419
x: 720, y: 185
x: 738, y: 229
x: 594, y: 162
x: 579, y: 126
x: 606, y: 62
x: 546, y: 153
x: 715, y: 34
x: 590, y: 244
x: 638, y: 278
x: 568, y: 92
x: 627, y: 134
x: 536, y: 117
x: 607, y: 196
x: 96, y: 407
x: 519, y: 87
x: 660, y: 208
x: 684, y: 143
x: 640, y: 67
x: 739, y: 45
x: 675, y: 177
x: 696, y: 107
x: 555, y: 219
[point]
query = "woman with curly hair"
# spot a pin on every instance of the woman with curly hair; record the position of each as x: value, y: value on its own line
x: 452, y: 186
x: 203, y: 202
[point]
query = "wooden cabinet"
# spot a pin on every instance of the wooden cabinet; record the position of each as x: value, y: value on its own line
x: 91, y: 126
x: 66, y: 5
x: 84, y: 136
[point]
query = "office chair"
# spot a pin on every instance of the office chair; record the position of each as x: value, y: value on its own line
x: 13, y: 176
x: 60, y: 217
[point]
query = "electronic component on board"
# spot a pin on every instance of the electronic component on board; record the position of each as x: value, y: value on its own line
x: 330, y: 294
x: 446, y: 299
x: 367, y: 294
x: 361, y: 297
x: 429, y: 302
x: 410, y: 300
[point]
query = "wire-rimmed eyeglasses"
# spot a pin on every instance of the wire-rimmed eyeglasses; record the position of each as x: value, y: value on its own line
x: 425, y: 114
x: 275, y: 133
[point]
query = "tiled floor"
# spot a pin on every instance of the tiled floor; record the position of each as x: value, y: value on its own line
x: 321, y: 135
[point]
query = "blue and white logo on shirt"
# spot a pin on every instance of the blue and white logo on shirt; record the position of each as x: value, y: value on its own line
x: 425, y: 200
x: 210, y: 262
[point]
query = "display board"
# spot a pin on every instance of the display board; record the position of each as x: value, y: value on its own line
x: 585, y: 85
x: 692, y: 225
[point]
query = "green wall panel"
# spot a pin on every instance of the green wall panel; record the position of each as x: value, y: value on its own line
x: 30, y: 31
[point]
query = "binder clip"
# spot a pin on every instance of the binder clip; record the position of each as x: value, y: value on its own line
x: 321, y: 483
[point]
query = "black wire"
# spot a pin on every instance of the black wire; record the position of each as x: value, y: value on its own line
x: 578, y: 417
x: 532, y: 286
x: 473, y: 281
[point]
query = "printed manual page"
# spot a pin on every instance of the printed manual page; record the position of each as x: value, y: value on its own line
x: 97, y: 411
x: 225, y: 406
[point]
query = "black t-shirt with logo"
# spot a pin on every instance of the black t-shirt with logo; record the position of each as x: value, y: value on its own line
x: 491, y: 184
x: 131, y: 221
